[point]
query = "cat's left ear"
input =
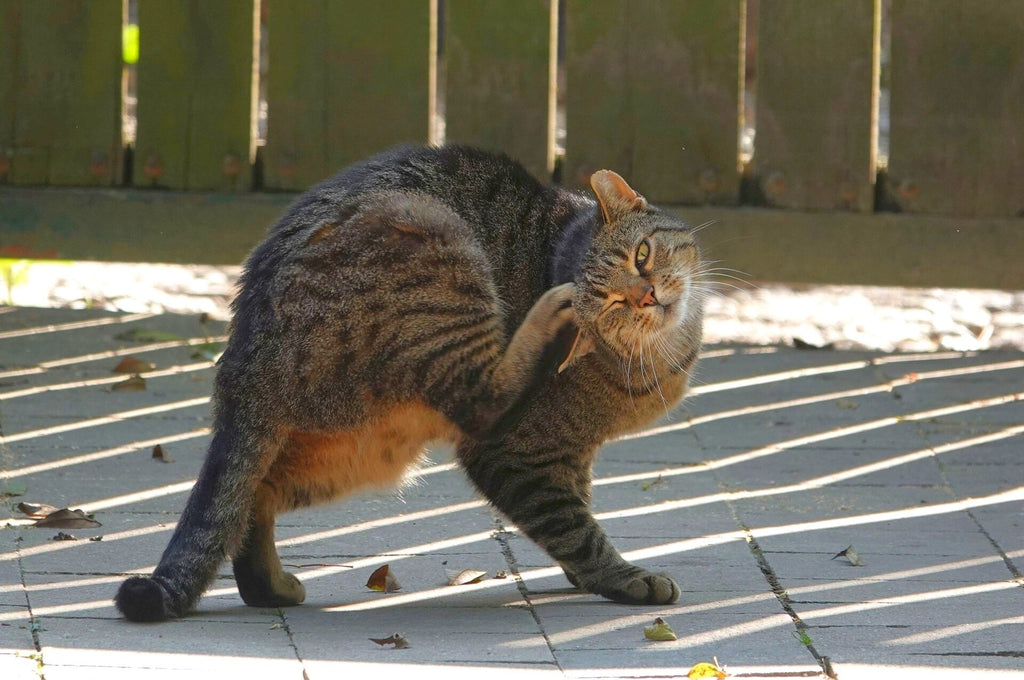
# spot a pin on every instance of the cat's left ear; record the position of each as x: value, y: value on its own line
x: 617, y: 198
x: 581, y: 346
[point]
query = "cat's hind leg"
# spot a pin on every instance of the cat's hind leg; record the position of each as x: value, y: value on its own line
x: 211, y: 527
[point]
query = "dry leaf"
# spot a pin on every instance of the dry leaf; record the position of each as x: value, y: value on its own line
x: 659, y: 631
x: 850, y: 554
x: 656, y: 482
x: 61, y: 536
x: 396, y: 639
x: 36, y: 510
x: 161, y: 455
x: 464, y: 577
x: 147, y: 335
x: 132, y: 384
x: 133, y: 365
x: 501, y: 574
x: 383, y: 581
x: 707, y: 670
x: 67, y: 519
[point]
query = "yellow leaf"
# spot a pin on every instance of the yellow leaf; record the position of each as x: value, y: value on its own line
x: 659, y: 631
x: 706, y: 670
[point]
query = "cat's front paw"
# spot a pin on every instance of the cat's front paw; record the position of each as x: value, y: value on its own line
x: 555, y: 305
x: 638, y: 587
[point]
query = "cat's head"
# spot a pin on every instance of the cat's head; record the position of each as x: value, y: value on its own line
x: 635, y: 292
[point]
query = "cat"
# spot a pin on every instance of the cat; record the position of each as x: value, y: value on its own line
x: 438, y: 293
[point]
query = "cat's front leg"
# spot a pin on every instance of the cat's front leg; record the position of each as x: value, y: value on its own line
x: 534, y: 350
x: 544, y: 492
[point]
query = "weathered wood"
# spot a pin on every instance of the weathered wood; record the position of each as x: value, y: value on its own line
x: 194, y: 84
x: 652, y: 92
x: 768, y: 244
x: 496, y: 57
x: 957, y: 116
x: 815, y: 82
x: 60, y: 88
x: 295, y: 155
x: 347, y: 79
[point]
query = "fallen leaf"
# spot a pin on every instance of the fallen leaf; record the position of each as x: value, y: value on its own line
x: 803, y: 344
x: 383, y: 581
x: 36, y: 510
x: 210, y: 351
x: 501, y: 574
x: 147, y: 335
x: 659, y: 631
x: 850, y: 554
x: 67, y: 519
x: 705, y: 669
x: 161, y: 455
x: 133, y: 384
x: 396, y: 639
x: 133, y: 365
x: 803, y: 638
x: 464, y: 577
x: 653, y: 483
x: 12, y: 489
x: 61, y: 536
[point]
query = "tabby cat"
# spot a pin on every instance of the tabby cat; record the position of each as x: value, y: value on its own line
x: 438, y: 294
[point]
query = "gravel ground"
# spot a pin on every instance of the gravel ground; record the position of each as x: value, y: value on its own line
x: 844, y: 317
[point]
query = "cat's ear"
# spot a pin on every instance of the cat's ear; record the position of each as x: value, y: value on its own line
x: 615, y: 196
x: 581, y: 346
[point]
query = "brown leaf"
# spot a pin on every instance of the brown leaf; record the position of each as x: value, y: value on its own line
x: 133, y: 365
x: 36, y: 510
x: 383, y: 581
x: 161, y: 455
x: 464, y: 577
x: 67, y: 519
x: 135, y: 383
x: 850, y: 554
x: 396, y: 639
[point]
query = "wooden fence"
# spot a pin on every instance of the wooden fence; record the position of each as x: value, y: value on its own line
x: 655, y: 89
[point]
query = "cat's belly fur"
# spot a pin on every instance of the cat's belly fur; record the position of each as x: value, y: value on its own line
x: 328, y: 464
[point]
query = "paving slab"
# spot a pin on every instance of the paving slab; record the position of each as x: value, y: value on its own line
x: 780, y: 459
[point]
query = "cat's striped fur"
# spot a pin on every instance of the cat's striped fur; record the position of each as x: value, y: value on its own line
x: 431, y: 294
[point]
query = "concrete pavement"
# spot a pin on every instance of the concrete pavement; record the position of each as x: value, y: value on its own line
x: 779, y: 460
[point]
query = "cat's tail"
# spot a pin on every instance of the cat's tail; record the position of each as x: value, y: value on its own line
x: 210, y: 529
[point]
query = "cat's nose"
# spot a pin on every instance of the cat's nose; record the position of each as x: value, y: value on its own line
x: 644, y: 297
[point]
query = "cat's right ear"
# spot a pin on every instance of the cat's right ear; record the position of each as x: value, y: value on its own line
x: 581, y: 346
x: 617, y: 198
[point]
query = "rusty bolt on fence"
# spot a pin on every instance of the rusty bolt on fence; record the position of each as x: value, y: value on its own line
x: 99, y: 164
x: 908, y: 190
x: 847, y: 194
x: 776, y: 185
x: 709, y: 181
x: 231, y: 166
x: 154, y: 168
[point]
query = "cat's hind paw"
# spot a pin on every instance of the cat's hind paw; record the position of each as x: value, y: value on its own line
x: 143, y: 599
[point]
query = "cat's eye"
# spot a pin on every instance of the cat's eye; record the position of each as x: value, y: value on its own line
x: 643, y: 252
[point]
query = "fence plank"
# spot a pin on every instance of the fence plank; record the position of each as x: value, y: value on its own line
x: 347, y: 78
x: 295, y: 155
x: 957, y: 145
x: 194, y: 84
x: 814, y: 147
x: 60, y: 87
x: 496, y: 61
x: 652, y: 91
